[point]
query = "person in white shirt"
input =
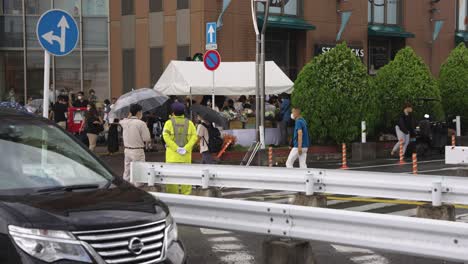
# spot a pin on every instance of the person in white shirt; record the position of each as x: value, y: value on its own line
x: 203, y: 140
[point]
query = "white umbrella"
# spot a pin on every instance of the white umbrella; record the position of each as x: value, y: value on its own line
x: 148, y: 99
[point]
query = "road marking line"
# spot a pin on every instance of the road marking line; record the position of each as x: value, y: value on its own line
x: 227, y: 247
x: 346, y: 249
x: 409, y: 213
x: 368, y: 207
x: 370, y: 259
x: 241, y: 192
x: 238, y: 258
x: 223, y: 239
x: 206, y: 231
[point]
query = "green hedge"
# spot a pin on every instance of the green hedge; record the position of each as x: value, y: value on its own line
x: 406, y: 79
x: 334, y: 94
x: 454, y: 82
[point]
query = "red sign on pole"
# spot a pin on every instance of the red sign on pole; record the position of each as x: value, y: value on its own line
x: 212, y: 60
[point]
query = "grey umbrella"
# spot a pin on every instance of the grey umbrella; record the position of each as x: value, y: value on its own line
x: 209, y: 115
x: 149, y: 99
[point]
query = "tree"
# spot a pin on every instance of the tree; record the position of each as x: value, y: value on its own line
x: 334, y: 94
x: 407, y: 79
x: 453, y: 82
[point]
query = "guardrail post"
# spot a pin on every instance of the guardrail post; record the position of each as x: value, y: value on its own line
x: 309, y: 198
x: 436, y: 210
x: 205, y: 189
x: 205, y: 179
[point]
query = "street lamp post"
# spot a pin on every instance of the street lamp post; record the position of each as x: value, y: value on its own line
x: 260, y: 69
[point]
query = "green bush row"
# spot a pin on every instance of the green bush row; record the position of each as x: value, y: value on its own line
x: 336, y: 93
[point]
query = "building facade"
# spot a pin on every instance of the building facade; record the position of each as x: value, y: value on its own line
x: 127, y: 44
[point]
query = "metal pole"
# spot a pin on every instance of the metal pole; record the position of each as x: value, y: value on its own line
x: 262, y: 75
x: 257, y: 70
x: 458, y: 125
x: 45, y: 107
x: 363, y: 132
x: 25, y: 57
x: 213, y: 106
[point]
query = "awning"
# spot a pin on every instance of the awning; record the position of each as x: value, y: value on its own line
x: 388, y: 31
x: 231, y: 78
x: 286, y: 22
x: 461, y: 37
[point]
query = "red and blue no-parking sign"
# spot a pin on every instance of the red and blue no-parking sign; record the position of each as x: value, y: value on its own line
x: 212, y: 60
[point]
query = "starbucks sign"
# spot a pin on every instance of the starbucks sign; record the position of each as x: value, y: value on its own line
x: 324, y: 48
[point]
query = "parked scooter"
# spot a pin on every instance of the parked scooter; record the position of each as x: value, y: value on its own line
x: 431, y: 137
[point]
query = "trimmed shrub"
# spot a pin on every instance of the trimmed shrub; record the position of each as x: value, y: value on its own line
x: 453, y: 82
x: 334, y: 94
x: 406, y: 79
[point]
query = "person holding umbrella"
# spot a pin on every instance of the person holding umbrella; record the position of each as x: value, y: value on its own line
x: 180, y: 136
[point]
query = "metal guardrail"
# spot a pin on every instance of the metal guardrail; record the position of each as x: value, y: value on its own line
x: 427, y: 188
x: 412, y: 236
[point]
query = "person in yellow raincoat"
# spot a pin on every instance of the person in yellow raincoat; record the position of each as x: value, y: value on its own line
x: 180, y: 136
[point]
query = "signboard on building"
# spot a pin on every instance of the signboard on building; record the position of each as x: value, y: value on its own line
x: 324, y: 48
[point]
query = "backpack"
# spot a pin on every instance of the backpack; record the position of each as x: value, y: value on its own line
x: 215, y: 142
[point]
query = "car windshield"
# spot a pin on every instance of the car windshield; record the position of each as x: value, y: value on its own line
x: 36, y: 156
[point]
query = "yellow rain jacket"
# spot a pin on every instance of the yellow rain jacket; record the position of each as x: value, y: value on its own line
x: 181, y: 134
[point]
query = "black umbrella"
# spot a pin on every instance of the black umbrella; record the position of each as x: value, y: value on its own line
x: 209, y: 115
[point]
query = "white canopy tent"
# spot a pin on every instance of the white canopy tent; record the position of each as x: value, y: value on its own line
x: 231, y: 78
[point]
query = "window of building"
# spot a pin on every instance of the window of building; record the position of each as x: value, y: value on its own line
x: 281, y: 7
x: 11, y: 31
x: 94, y: 32
x: 96, y: 73
x: 68, y: 72
x: 156, y: 5
x: 96, y: 8
x: 462, y: 11
x: 156, y: 64
x: 11, y: 75
x: 183, y: 4
x: 382, y: 51
x: 277, y: 42
x: 384, y: 12
x: 35, y: 73
x: 11, y: 7
x: 128, y: 68
x: 71, y: 6
x: 183, y: 52
x: 128, y: 7
x: 37, y: 7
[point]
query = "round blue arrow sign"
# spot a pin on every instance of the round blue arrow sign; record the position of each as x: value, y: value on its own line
x: 212, y: 60
x: 57, y: 32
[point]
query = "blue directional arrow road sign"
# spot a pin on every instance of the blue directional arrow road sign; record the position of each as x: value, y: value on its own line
x: 211, y: 36
x: 57, y: 32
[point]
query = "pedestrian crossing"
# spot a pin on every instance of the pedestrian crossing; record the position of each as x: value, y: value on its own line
x: 283, y: 197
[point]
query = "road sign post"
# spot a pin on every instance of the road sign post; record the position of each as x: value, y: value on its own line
x: 57, y: 33
x: 211, y: 42
x: 212, y: 60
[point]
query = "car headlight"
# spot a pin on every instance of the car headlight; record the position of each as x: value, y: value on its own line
x: 48, y: 245
x: 171, y: 231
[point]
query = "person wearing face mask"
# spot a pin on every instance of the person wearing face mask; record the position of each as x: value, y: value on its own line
x: 300, y: 142
x: 92, y: 96
x: 180, y: 136
x: 80, y: 100
x: 404, y: 128
x: 92, y: 125
x: 136, y: 137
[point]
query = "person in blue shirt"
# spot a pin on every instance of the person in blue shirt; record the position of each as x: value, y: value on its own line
x: 301, y: 141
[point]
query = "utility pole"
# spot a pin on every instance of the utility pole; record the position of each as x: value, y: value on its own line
x: 260, y: 69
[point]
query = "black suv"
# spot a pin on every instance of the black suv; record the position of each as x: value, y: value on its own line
x: 60, y: 204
